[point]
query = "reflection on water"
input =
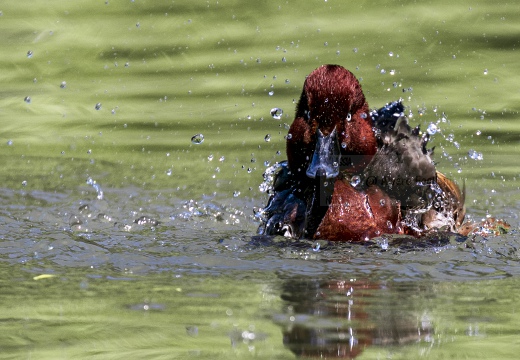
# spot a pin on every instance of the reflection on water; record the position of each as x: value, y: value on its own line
x: 341, y: 318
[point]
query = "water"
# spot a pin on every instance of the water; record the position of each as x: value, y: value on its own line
x: 128, y: 229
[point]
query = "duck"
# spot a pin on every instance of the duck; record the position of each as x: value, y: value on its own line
x: 353, y: 174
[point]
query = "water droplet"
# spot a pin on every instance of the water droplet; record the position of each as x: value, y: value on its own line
x: 9, y: 142
x: 432, y: 129
x: 24, y: 183
x: 363, y: 115
x: 382, y: 202
x: 276, y: 113
x: 197, y: 139
x: 390, y: 53
x: 29, y: 54
x: 63, y: 84
x: 236, y: 193
x: 392, y: 72
x: 355, y: 50
x: 222, y: 158
x: 98, y: 106
x: 475, y: 155
x: 383, y: 71
x: 289, y: 136
x: 389, y: 225
x: 316, y: 246
x: 271, y: 93
x: 210, y: 157
x: 349, y: 116
x: 27, y: 99
x: 355, y: 180
x: 169, y: 172
x: 284, y: 59
x: 343, y: 145
x: 478, y: 132
x: 267, y: 138
x: 485, y: 71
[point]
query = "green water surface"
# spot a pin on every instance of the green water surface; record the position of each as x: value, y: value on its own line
x: 114, y: 91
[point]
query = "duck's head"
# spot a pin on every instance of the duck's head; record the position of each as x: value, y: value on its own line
x: 332, y: 129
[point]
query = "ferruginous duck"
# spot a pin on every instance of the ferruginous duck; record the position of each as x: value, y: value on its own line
x: 352, y: 174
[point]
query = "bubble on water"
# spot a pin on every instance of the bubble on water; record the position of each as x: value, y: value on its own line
x: 169, y: 172
x: 382, y: 202
x: 289, y: 136
x: 27, y: 99
x: 63, y: 84
x: 98, y: 106
x: 432, y: 129
x: 355, y: 180
x: 475, y: 155
x: 24, y: 183
x: 355, y: 50
x: 75, y: 221
x: 236, y: 193
x: 29, y: 54
x: 210, y: 157
x: 222, y: 158
x: 9, y: 142
x: 383, y: 71
x: 316, y: 246
x: 478, y: 132
x: 456, y: 144
x: 267, y: 138
x: 197, y: 139
x: 271, y: 93
x: 392, y: 72
x: 145, y: 220
x: 276, y: 113
x: 485, y: 71
x: 284, y: 59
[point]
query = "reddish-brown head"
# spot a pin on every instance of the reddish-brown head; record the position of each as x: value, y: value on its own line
x: 331, y: 99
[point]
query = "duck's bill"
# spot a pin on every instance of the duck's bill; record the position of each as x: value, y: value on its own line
x: 325, y: 159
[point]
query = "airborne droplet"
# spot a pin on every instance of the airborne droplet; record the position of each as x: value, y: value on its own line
x: 197, y: 139
x: 355, y: 180
x: 432, y: 129
x: 276, y: 113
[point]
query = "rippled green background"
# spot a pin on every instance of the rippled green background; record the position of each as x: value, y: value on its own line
x: 164, y: 71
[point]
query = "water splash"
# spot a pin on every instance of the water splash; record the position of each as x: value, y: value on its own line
x: 96, y: 187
